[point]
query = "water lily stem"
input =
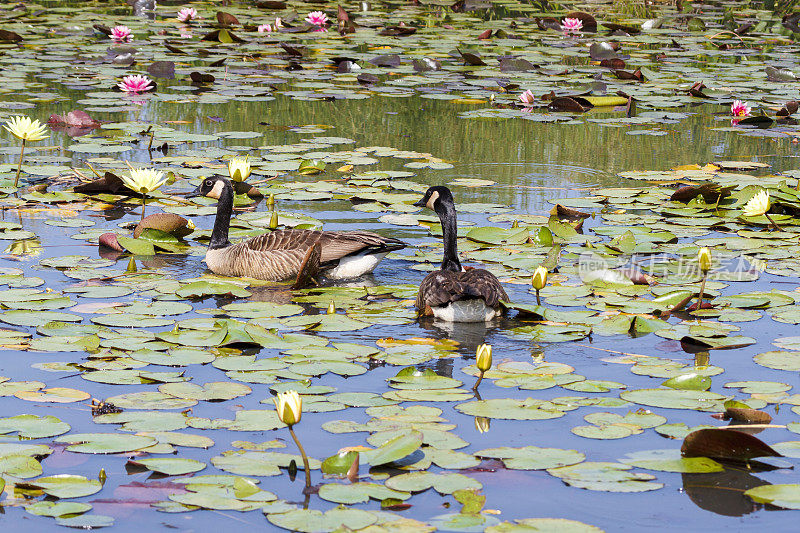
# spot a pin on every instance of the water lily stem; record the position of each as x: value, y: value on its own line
x: 303, y: 454
x: 538, y: 301
x: 480, y: 378
x: 143, y: 198
x: 772, y: 222
x: 702, y: 290
x: 19, y: 165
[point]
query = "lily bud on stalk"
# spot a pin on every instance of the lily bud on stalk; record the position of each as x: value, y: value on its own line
x: 539, y: 281
x: 704, y: 260
x: 289, y: 405
x: 483, y: 361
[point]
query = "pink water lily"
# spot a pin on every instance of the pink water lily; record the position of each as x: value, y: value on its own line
x: 265, y: 28
x: 135, y: 84
x: 571, y: 25
x: 317, y: 18
x: 187, y: 14
x: 121, y: 34
x: 739, y: 108
x: 527, y: 98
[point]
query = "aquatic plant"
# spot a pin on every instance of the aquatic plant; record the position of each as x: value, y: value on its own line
x: 739, y: 108
x: 265, y: 28
x: 135, y: 84
x: 26, y: 130
x: 121, y: 34
x: 527, y: 97
x: 538, y: 281
x: 571, y: 25
x: 317, y: 18
x: 483, y: 361
x: 289, y: 405
x: 704, y: 260
x: 143, y: 181
x: 187, y: 14
x: 759, y: 205
x: 238, y: 169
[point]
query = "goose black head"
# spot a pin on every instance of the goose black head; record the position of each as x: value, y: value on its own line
x: 211, y: 187
x: 436, y: 196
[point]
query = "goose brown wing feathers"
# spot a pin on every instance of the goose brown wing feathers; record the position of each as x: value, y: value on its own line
x: 445, y: 286
x: 334, y: 244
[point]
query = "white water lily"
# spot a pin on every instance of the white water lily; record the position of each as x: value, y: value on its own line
x: 238, y: 169
x: 143, y: 181
x: 289, y: 406
x: 539, y: 279
x: 757, y: 205
x: 483, y: 357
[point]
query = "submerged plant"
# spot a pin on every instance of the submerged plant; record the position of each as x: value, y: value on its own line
x: 483, y: 360
x: 290, y: 409
x: 538, y: 281
x: 121, y: 34
x: 144, y: 181
x: 25, y: 129
x: 135, y: 84
x: 704, y: 260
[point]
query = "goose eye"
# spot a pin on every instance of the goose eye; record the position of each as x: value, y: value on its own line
x: 209, y: 183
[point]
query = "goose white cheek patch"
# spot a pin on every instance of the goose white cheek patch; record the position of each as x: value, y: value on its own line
x: 432, y: 199
x: 216, y: 192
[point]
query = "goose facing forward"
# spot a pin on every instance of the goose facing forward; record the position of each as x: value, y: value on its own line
x: 452, y: 293
x: 288, y: 253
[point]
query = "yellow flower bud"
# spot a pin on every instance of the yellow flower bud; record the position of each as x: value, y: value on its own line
x: 483, y: 357
x: 331, y: 308
x: 289, y: 406
x: 273, y: 221
x: 238, y: 169
x: 539, y: 279
x: 704, y: 258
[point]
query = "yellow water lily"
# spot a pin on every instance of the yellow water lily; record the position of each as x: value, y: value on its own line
x: 757, y: 205
x: 289, y: 406
x: 238, y: 169
x: 483, y: 357
x: 704, y: 259
x: 25, y: 129
x: 539, y: 280
x: 143, y: 181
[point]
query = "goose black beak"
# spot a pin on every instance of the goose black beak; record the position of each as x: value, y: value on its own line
x: 194, y: 194
x: 420, y: 203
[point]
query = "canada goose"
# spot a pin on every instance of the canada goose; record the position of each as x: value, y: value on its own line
x: 452, y: 293
x: 288, y: 253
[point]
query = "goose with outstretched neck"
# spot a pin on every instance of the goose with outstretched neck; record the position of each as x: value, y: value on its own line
x: 287, y: 254
x: 454, y: 294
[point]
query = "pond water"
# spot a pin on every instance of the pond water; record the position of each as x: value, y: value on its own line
x: 591, y: 395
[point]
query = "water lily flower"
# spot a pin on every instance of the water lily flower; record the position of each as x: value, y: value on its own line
x: 187, y: 14
x: 317, y: 18
x: 121, y: 34
x: 571, y: 25
x: 757, y: 205
x: 739, y: 108
x: 483, y: 357
x: 136, y: 83
x: 143, y: 181
x: 538, y: 281
x: 527, y: 97
x: 25, y: 129
x: 278, y: 23
x: 482, y: 424
x: 704, y: 259
x: 331, y: 308
x: 238, y: 169
x: 265, y: 28
x: 289, y: 405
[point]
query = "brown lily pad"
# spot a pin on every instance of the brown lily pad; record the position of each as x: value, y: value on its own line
x: 725, y: 444
x: 166, y: 222
x: 109, y: 240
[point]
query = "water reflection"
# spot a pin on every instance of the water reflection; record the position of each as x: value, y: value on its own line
x: 723, y: 492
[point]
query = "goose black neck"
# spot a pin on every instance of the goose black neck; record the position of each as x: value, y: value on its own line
x: 219, y: 235
x: 447, y: 216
